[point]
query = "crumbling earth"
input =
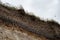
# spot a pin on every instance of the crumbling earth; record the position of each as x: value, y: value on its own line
x: 16, y: 24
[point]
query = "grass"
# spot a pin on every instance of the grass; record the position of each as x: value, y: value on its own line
x: 47, y: 27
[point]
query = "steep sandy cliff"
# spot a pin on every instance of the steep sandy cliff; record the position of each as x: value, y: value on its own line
x: 9, y: 32
x: 16, y: 24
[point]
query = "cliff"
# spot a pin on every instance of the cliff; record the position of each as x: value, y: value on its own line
x: 16, y: 24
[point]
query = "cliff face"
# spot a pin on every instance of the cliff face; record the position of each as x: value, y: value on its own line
x: 16, y: 24
x: 9, y: 32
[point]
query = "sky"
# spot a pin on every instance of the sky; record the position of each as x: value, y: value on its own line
x: 45, y: 9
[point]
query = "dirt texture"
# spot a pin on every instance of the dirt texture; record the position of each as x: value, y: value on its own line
x: 13, y: 20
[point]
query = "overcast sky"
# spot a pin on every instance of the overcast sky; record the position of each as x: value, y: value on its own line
x: 42, y: 8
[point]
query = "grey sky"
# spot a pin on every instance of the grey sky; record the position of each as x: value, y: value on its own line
x: 42, y: 8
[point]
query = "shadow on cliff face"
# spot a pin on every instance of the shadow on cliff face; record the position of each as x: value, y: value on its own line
x: 31, y: 23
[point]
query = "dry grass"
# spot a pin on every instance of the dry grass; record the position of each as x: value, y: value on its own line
x: 31, y: 23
